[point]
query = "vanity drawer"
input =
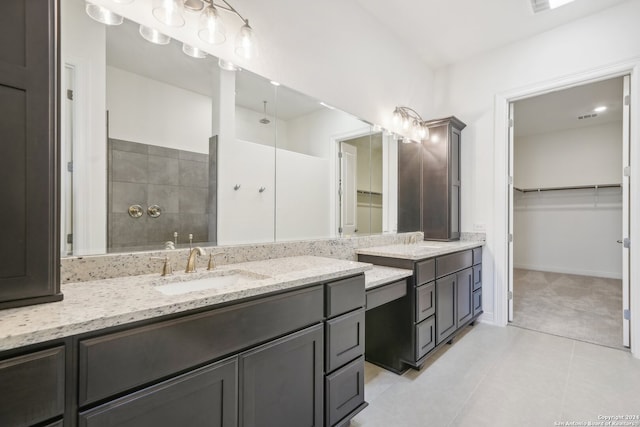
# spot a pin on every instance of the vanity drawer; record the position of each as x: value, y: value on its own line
x: 344, y: 392
x: 425, y: 271
x: 345, y: 295
x: 344, y: 339
x: 477, y: 256
x: 425, y: 301
x: 386, y: 293
x: 448, y: 264
x: 425, y: 337
x: 477, y: 277
x: 205, y: 396
x: 477, y: 302
x: 32, y: 387
x: 117, y: 362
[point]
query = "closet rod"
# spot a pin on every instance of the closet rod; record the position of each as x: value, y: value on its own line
x: 369, y: 193
x: 578, y: 187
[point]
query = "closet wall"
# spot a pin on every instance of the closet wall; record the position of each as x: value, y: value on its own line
x: 569, y: 231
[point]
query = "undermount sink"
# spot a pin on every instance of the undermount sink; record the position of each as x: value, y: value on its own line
x: 203, y: 281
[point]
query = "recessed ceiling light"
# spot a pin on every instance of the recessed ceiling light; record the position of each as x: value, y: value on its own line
x: 600, y: 109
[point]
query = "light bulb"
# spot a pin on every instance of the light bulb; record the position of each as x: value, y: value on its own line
x: 211, y: 29
x: 154, y: 36
x: 246, y: 43
x: 397, y: 117
x: 169, y: 12
x: 405, y: 123
x: 422, y: 132
x: 227, y: 65
x: 103, y: 15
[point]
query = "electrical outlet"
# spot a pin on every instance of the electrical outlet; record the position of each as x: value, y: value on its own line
x: 479, y: 227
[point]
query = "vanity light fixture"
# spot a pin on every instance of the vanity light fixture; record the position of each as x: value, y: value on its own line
x: 227, y: 65
x: 410, y: 120
x: 169, y: 12
x: 154, y: 36
x: 193, y: 51
x: 102, y: 14
x: 542, y: 5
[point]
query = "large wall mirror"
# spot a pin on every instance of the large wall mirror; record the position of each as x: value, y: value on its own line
x: 162, y: 148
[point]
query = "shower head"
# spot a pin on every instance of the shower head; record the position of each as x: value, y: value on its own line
x: 264, y: 120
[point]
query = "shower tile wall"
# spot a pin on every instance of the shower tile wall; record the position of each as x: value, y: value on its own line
x: 146, y: 175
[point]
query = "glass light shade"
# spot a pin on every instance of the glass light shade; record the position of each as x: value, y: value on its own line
x: 245, y: 42
x: 193, y: 5
x: 423, y: 133
x: 169, y: 12
x: 123, y: 1
x: 211, y: 29
x: 397, y: 117
x: 406, y: 123
x: 154, y: 36
x: 227, y: 65
x: 193, y: 51
x: 103, y: 15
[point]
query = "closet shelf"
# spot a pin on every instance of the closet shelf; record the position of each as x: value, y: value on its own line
x: 576, y: 187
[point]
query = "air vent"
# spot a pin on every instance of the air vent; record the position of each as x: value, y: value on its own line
x: 587, y: 116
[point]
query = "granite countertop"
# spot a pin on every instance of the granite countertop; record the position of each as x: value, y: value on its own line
x: 379, y: 275
x: 94, y: 305
x: 420, y: 250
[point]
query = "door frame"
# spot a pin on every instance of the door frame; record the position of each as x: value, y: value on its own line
x: 501, y: 182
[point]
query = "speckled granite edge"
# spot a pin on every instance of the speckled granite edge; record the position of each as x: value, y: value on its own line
x: 112, y: 302
x: 465, y: 237
x: 420, y: 250
x: 98, y: 267
x: 379, y: 275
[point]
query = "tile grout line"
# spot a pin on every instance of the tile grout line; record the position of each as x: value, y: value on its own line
x: 566, y: 383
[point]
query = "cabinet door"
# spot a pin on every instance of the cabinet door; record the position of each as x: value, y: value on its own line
x: 409, y: 196
x: 445, y: 307
x: 454, y: 182
x: 28, y: 248
x: 425, y: 301
x: 477, y: 302
x: 204, y: 397
x: 464, y: 295
x: 282, y: 382
x: 425, y: 337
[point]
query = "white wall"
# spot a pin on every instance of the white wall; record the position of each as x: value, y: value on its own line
x: 151, y: 112
x: 83, y: 48
x: 583, y: 156
x: 468, y: 90
x: 249, y: 128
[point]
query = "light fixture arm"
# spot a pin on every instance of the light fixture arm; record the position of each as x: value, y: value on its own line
x: 227, y: 7
x: 411, y: 119
x: 411, y: 113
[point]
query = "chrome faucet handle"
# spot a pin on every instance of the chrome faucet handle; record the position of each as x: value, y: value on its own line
x: 166, y: 266
x: 212, y: 264
x: 191, y: 261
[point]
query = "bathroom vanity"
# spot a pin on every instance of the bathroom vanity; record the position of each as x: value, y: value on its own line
x: 428, y: 309
x: 282, y: 346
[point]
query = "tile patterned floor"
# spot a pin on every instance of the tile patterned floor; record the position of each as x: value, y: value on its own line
x: 505, y: 376
x: 579, y: 307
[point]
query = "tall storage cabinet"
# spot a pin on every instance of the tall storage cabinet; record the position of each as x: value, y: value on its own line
x: 429, y: 182
x: 28, y: 165
x: 441, y: 180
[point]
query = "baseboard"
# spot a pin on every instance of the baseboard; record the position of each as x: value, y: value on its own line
x: 590, y: 273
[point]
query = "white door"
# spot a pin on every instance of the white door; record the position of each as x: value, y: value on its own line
x: 66, y: 161
x: 348, y: 188
x: 510, y: 295
x: 625, y: 211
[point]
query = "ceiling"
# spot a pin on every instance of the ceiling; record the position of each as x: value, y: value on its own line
x: 442, y: 32
x: 130, y: 52
x: 557, y: 111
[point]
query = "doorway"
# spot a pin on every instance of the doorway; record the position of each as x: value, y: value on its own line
x: 569, y: 208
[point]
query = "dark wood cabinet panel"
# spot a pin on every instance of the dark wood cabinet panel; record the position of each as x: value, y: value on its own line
x: 448, y: 264
x: 32, y: 387
x: 409, y: 187
x: 446, y: 315
x: 477, y: 256
x: 117, y: 362
x: 425, y: 337
x: 464, y: 296
x: 425, y: 271
x: 386, y: 293
x: 477, y: 302
x: 425, y: 301
x: 344, y: 338
x: 55, y: 424
x: 281, y: 383
x: 203, y: 397
x: 29, y: 271
x: 477, y: 277
x: 345, y: 295
x: 344, y: 392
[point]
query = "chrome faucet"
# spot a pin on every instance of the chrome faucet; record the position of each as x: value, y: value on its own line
x: 191, y: 261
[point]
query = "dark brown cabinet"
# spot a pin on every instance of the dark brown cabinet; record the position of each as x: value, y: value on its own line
x: 29, y: 252
x: 32, y: 387
x: 282, y: 382
x: 203, y: 397
x: 429, y: 182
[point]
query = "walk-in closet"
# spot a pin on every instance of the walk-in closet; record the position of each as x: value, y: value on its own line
x: 568, y: 213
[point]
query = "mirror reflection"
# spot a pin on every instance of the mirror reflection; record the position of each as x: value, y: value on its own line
x: 196, y: 153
